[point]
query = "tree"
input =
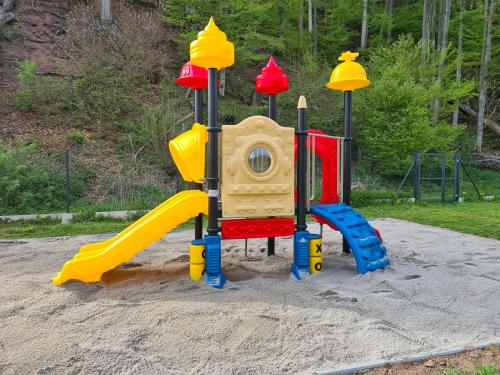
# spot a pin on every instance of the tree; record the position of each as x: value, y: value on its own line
x: 310, y: 16
x: 364, y: 25
x: 426, y: 30
x: 444, y: 24
x: 459, y: 56
x: 388, y: 11
x: 489, y: 8
x: 301, y: 17
x: 106, y: 11
x: 393, y: 115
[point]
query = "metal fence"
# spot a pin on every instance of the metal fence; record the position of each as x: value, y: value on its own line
x: 76, y: 181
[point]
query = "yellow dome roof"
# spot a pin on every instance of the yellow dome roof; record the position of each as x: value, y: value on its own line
x: 349, y: 75
x: 211, y: 49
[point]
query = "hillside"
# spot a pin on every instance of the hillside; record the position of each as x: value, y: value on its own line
x: 107, y: 93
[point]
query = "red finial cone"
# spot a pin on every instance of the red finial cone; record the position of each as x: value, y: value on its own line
x: 193, y: 76
x: 271, y: 80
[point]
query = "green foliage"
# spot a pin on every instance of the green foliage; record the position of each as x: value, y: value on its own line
x: 104, y: 93
x: 256, y: 28
x: 363, y: 198
x: 483, y: 369
x: 156, y: 124
x: 35, y: 93
x: 30, y: 183
x: 394, y: 112
x: 77, y: 138
x: 7, y: 32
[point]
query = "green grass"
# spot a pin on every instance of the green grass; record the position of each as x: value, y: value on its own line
x: 35, y: 229
x: 480, y: 369
x: 479, y: 218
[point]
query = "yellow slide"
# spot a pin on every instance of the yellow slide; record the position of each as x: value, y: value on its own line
x: 95, y: 259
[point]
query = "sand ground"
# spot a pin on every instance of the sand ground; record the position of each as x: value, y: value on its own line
x: 441, y: 291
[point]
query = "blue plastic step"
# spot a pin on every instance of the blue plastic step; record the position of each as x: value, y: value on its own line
x: 369, y: 252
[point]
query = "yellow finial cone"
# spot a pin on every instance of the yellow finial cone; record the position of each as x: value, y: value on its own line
x: 211, y: 24
x: 212, y: 49
x: 349, y: 75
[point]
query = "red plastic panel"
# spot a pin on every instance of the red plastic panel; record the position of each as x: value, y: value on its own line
x: 326, y: 149
x: 257, y: 228
x: 320, y: 220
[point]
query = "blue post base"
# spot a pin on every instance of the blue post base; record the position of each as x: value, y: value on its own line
x: 215, y: 276
x: 300, y: 266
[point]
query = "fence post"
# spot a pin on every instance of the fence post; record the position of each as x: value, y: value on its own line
x: 443, y: 176
x: 67, y: 180
x: 416, y: 183
x: 456, y: 175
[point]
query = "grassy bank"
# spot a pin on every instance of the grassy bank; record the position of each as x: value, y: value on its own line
x: 479, y: 218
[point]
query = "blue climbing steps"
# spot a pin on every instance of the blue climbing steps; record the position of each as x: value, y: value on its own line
x: 369, y: 252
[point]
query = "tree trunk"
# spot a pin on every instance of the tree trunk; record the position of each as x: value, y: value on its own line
x: 315, y: 29
x: 106, y: 11
x: 283, y: 21
x: 432, y: 22
x: 6, y: 10
x: 489, y: 6
x: 388, y: 11
x: 310, y: 16
x: 301, y: 17
x: 494, y: 126
x: 222, y: 82
x: 442, y: 45
x: 459, y: 56
x: 364, y: 25
x: 426, y: 31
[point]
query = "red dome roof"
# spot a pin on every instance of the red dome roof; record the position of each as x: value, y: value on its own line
x: 272, y: 80
x: 193, y: 76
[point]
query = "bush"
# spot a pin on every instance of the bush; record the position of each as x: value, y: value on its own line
x: 30, y: 183
x: 115, y: 65
x: 35, y: 93
x: 7, y: 32
x: 156, y: 125
x: 76, y: 138
x: 394, y: 113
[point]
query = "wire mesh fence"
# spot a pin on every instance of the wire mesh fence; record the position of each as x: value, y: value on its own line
x: 38, y: 182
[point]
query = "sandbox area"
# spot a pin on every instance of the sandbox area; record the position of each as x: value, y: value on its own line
x: 441, y: 291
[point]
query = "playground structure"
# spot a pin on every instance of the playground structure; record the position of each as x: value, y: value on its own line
x: 267, y: 175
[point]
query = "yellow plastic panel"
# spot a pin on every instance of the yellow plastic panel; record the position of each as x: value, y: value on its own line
x: 257, y: 169
x: 196, y: 261
x: 90, y: 264
x: 315, y: 255
x: 188, y: 152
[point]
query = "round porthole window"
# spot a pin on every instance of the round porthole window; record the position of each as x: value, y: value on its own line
x: 260, y: 159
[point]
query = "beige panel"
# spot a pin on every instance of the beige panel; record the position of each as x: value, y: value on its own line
x: 246, y: 193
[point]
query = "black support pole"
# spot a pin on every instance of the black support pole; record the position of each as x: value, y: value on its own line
x: 443, y: 177
x: 346, y: 188
x: 271, y: 241
x: 198, y: 117
x: 456, y: 175
x: 67, y: 180
x: 301, y: 166
x: 213, y: 157
x: 272, y: 107
x: 416, y: 183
